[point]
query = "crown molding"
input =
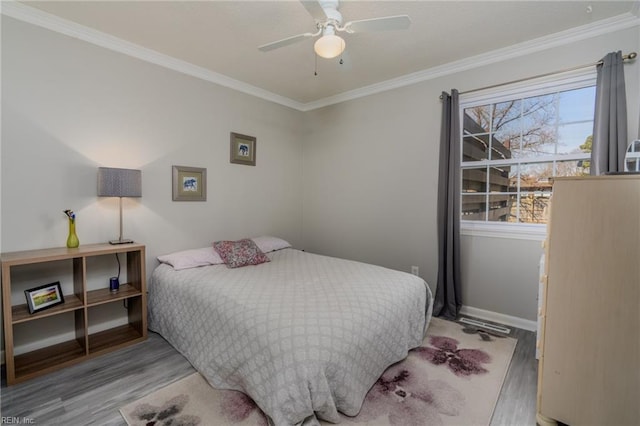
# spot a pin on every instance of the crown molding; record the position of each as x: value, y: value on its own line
x: 42, y: 19
x: 616, y: 23
x: 51, y: 22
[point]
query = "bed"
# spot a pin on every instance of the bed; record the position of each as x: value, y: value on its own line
x: 304, y: 335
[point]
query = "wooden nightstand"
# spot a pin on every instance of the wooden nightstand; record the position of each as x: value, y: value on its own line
x: 79, y: 305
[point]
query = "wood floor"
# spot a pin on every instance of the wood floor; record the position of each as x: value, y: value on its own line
x: 91, y: 393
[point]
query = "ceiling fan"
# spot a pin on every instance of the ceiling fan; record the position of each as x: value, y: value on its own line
x: 329, y: 22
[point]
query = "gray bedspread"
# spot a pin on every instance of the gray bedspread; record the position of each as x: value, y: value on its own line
x: 304, y: 335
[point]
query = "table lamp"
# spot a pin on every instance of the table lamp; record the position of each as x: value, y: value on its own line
x: 119, y: 183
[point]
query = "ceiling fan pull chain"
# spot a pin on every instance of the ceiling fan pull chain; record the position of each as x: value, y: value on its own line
x: 315, y: 68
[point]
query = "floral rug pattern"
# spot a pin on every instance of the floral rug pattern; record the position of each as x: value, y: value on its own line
x: 170, y: 413
x: 402, y: 397
x: 462, y: 362
x: 453, y: 378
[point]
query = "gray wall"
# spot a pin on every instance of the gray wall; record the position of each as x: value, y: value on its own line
x: 69, y: 107
x: 370, y: 178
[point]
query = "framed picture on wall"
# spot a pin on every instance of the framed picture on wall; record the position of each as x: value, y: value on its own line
x: 43, y: 297
x: 189, y: 183
x: 243, y: 149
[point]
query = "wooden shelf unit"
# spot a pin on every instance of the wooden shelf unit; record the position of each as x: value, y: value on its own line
x: 79, y: 303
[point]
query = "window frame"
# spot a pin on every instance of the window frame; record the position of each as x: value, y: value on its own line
x: 572, y: 80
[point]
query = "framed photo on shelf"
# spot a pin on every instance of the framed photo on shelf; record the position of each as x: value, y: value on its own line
x: 43, y: 297
x: 243, y: 149
x: 189, y: 183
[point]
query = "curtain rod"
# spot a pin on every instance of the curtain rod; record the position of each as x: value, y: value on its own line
x: 630, y: 56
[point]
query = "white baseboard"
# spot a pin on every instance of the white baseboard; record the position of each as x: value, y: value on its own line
x: 522, y: 323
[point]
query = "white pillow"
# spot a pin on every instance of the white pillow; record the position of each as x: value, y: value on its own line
x: 192, y: 258
x: 267, y: 244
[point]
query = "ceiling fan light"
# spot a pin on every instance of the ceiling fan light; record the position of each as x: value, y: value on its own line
x: 329, y: 46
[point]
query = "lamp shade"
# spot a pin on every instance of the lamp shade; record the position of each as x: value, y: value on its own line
x: 329, y: 46
x: 119, y: 182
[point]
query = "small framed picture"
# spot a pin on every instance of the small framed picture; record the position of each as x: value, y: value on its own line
x: 43, y: 297
x: 243, y: 149
x: 189, y: 184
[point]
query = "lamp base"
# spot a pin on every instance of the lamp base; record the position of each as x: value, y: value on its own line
x: 121, y: 241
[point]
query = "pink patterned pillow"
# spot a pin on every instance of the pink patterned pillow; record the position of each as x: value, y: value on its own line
x: 240, y: 253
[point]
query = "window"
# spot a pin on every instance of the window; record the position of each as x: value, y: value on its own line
x: 632, y: 162
x: 515, y: 142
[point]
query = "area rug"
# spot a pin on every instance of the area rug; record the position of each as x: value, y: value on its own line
x: 454, y: 378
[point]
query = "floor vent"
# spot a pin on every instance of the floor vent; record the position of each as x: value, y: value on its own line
x: 482, y: 324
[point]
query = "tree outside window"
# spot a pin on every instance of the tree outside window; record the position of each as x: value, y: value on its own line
x: 512, y: 150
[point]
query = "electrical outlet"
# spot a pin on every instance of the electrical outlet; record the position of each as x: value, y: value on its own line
x: 415, y: 270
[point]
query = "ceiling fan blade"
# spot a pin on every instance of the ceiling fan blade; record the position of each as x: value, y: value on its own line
x: 399, y: 22
x: 284, y: 42
x: 314, y: 9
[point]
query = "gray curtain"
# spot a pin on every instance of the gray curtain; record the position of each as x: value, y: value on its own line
x: 610, y: 121
x: 448, y: 299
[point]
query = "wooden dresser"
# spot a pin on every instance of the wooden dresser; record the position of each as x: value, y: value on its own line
x: 589, y: 368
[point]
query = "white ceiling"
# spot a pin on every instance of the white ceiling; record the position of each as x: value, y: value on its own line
x: 222, y: 37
